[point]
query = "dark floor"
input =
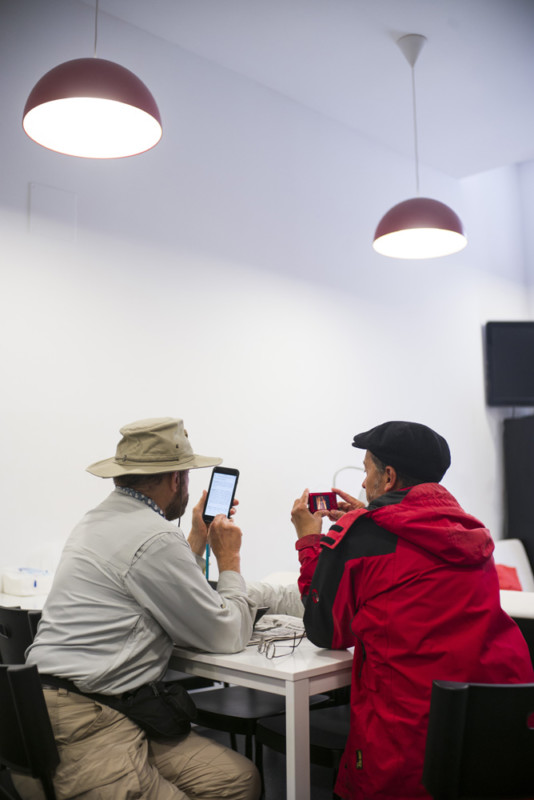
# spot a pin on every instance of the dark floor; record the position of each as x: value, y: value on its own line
x: 274, y: 765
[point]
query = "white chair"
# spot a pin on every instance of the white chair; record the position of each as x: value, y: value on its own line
x: 519, y: 605
x: 512, y: 553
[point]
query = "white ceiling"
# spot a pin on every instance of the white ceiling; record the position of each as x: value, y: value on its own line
x: 474, y: 78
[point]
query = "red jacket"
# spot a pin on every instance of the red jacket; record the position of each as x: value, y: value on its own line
x: 411, y: 584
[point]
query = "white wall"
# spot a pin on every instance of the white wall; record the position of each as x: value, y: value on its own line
x: 227, y: 277
x: 526, y: 194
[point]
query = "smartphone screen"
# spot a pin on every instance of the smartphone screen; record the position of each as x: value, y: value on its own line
x: 221, y: 492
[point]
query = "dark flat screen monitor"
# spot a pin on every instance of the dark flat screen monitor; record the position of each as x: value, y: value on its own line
x: 510, y: 363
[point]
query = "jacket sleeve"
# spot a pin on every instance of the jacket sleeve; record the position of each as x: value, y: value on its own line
x: 308, y: 549
x: 323, y: 589
x: 330, y: 582
x: 330, y: 606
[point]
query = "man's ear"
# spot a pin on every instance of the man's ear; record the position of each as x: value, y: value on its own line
x: 174, y: 480
x: 391, y: 478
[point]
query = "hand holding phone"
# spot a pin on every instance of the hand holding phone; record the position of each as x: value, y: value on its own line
x: 225, y: 538
x: 347, y: 502
x: 304, y: 521
x: 333, y: 504
x: 221, y: 493
x: 322, y: 501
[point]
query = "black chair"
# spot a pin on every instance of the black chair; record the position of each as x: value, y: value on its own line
x: 34, y: 617
x: 480, y: 741
x: 189, y: 682
x: 329, y: 729
x: 17, y: 631
x: 526, y: 626
x: 27, y: 743
x: 236, y: 710
x: 7, y: 790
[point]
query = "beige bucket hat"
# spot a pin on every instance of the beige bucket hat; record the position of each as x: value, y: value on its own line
x: 149, y: 446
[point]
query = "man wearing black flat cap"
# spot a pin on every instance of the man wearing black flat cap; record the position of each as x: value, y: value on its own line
x: 409, y: 581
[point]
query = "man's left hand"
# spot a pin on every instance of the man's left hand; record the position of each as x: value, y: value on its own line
x: 198, y: 537
x: 199, y: 530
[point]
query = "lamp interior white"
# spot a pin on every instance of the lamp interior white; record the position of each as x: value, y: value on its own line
x: 420, y: 243
x: 92, y: 127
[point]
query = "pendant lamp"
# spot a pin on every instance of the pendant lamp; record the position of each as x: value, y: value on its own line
x: 419, y: 227
x: 92, y: 108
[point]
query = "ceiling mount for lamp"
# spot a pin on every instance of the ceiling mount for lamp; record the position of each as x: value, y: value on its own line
x: 419, y: 227
x: 92, y: 108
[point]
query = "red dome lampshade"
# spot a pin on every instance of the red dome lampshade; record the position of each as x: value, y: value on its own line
x: 92, y: 108
x: 419, y: 228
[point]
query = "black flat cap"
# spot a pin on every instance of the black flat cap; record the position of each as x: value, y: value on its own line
x: 411, y: 448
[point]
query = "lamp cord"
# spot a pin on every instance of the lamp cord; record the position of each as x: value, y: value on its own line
x: 416, y: 148
x: 350, y: 466
x: 361, y: 495
x: 96, y: 25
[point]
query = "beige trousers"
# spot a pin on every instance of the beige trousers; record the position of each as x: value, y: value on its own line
x: 105, y: 756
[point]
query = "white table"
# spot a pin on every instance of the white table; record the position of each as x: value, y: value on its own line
x: 518, y: 604
x: 309, y: 670
x: 32, y: 601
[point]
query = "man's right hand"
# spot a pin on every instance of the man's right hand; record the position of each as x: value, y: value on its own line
x: 225, y: 538
x: 348, y: 503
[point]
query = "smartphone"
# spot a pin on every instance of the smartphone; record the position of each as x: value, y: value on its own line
x: 322, y: 501
x: 220, y: 493
x: 259, y: 613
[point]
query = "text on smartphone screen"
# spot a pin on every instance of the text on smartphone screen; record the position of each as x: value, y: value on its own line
x: 220, y: 497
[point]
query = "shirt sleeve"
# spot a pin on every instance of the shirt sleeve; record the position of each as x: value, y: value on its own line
x: 279, y: 598
x: 166, y: 580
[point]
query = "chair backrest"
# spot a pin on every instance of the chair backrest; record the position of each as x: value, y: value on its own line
x: 480, y: 741
x: 34, y: 617
x: 27, y: 741
x: 16, y: 633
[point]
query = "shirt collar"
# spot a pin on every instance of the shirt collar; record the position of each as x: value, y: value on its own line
x: 140, y: 496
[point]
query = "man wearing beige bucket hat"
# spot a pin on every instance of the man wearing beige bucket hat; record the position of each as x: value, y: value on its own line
x: 129, y: 586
